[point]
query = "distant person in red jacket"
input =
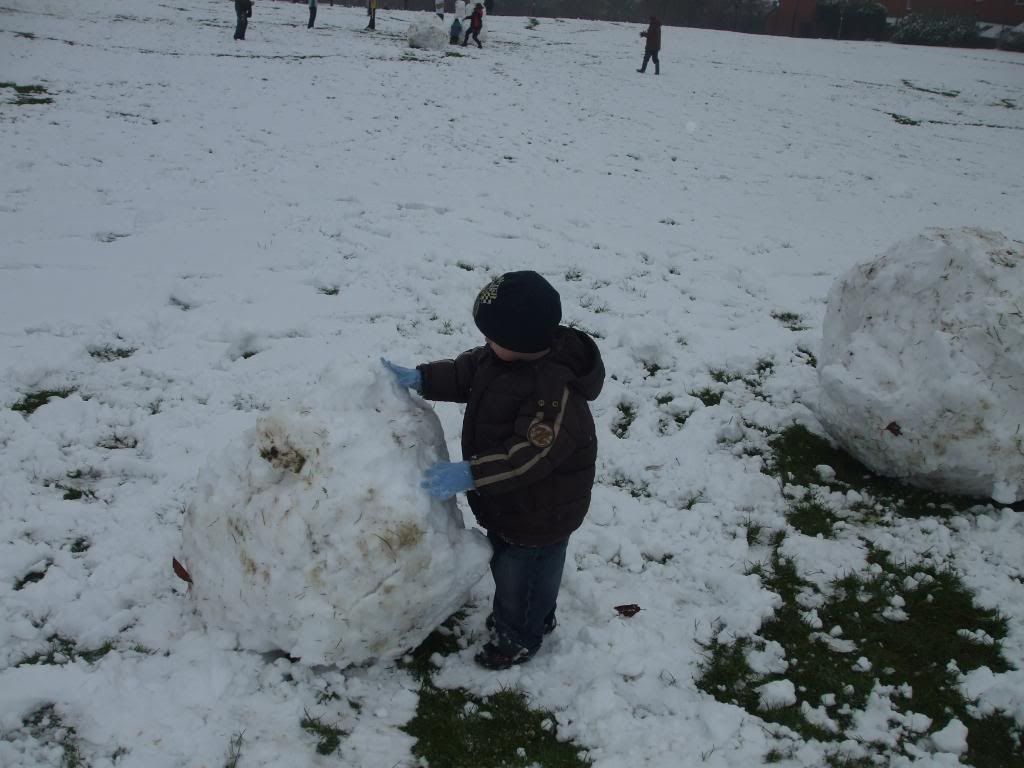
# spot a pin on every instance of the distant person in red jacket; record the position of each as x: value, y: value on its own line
x: 653, y: 35
x: 476, y: 23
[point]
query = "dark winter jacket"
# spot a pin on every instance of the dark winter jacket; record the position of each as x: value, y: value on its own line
x: 243, y: 7
x: 653, y: 35
x: 527, y: 434
x: 476, y: 20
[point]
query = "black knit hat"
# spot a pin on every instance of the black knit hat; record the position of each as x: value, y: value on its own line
x: 519, y: 311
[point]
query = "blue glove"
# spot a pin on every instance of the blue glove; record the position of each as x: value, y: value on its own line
x: 447, y: 478
x: 409, y: 378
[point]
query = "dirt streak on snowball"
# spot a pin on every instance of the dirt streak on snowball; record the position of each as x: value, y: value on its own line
x: 310, y: 533
x: 922, y: 363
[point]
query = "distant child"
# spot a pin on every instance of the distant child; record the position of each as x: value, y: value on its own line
x: 243, y: 10
x: 455, y: 34
x: 653, y: 45
x: 476, y: 23
x: 312, y: 14
x: 530, y: 449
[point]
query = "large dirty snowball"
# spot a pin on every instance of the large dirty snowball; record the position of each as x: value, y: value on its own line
x: 310, y: 533
x: 428, y: 34
x: 922, y: 363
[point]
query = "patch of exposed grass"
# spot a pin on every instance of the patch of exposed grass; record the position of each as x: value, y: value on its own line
x: 937, y: 92
x: 32, y: 577
x: 33, y: 401
x: 651, y: 369
x: 722, y: 376
x: 64, y: 651
x: 907, y: 621
x: 109, y: 353
x: 235, y: 750
x: 329, y: 736
x: 636, y: 489
x: 903, y: 119
x: 28, y: 94
x: 117, y: 442
x: 807, y: 356
x: 627, y: 415
x: 811, y: 517
x: 79, y: 545
x: 79, y: 489
x: 708, y: 396
x: 456, y: 729
x: 47, y: 726
x: 573, y: 275
x: 329, y: 290
x: 791, y: 320
x: 797, y: 452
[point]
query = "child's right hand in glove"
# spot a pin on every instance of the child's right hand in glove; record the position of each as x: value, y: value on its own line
x: 406, y: 377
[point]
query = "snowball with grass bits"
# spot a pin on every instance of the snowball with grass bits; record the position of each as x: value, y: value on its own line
x: 311, y: 534
x: 922, y: 363
x: 428, y: 34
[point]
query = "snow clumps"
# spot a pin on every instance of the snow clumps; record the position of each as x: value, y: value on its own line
x: 922, y: 363
x: 310, y: 533
x: 428, y: 34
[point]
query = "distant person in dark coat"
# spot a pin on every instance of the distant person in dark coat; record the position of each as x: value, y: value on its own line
x: 243, y: 10
x: 476, y: 23
x: 653, y: 35
x: 312, y: 14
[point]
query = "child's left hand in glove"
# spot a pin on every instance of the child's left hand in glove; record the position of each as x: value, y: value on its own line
x: 447, y: 478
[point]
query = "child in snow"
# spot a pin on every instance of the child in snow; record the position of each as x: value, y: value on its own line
x: 476, y: 23
x: 243, y: 10
x: 455, y: 34
x: 653, y: 35
x: 530, y: 449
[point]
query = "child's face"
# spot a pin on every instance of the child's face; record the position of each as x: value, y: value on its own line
x: 507, y: 355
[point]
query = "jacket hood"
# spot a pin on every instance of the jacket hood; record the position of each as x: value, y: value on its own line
x: 578, y: 352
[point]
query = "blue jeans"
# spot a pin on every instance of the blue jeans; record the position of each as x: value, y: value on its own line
x: 526, y: 583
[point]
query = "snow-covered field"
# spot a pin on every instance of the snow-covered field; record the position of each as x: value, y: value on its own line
x: 193, y: 229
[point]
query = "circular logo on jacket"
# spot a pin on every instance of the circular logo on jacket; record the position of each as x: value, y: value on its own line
x: 540, y: 434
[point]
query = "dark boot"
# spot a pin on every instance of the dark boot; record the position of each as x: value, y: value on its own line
x: 495, y: 658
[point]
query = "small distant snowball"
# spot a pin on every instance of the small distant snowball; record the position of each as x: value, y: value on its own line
x: 521, y: 752
x: 828, y: 699
x: 776, y: 694
x: 862, y: 665
x: 952, y: 738
x: 811, y: 619
x: 825, y: 472
x: 836, y: 631
x: 770, y: 661
x: 917, y: 722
